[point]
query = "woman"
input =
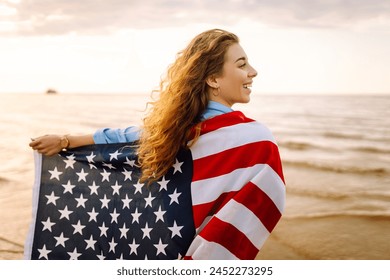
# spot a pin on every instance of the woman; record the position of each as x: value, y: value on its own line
x: 208, y: 77
x: 199, y: 85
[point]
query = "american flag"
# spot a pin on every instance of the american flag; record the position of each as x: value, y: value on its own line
x: 220, y: 200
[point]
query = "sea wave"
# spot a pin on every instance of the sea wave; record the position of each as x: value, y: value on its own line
x: 374, y: 137
x: 383, y: 215
x: 293, y: 145
x: 304, y: 146
x: 332, y: 134
x: 377, y: 171
x: 317, y: 194
x: 378, y: 196
x: 373, y: 150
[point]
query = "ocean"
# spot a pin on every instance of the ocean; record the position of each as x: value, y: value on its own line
x: 344, y: 140
x: 335, y: 152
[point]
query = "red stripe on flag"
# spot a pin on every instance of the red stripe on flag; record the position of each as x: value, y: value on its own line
x: 224, y: 233
x: 260, y: 204
x: 263, y: 152
x: 201, y: 211
x: 221, y: 121
x: 228, y: 119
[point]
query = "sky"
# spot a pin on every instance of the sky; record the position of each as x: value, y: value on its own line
x: 125, y: 46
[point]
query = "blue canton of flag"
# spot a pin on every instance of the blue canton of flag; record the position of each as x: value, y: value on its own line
x: 89, y: 204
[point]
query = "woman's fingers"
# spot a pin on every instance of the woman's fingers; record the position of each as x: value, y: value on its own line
x: 47, y: 144
x: 34, y: 144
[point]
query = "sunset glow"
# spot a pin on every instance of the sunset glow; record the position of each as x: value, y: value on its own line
x: 123, y: 48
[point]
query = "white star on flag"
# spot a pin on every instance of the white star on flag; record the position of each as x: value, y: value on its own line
x: 136, y: 215
x: 91, y: 157
x: 105, y: 201
x: 90, y: 243
x: 129, y: 162
x: 175, y: 229
x: 116, y: 188
x: 138, y: 187
x: 149, y: 200
x: 146, y: 230
x: 65, y: 213
x: 61, y: 240
x: 160, y: 247
x: 124, y: 231
x: 112, y: 245
x: 101, y: 256
x: 55, y: 174
x: 92, y: 215
x: 114, y: 216
x: 177, y: 167
x: 44, y: 252
x: 68, y: 187
x: 82, y: 175
x: 78, y: 228
x: 74, y: 255
x: 52, y: 198
x: 114, y: 155
x: 47, y: 225
x: 159, y: 214
x: 163, y: 184
x: 174, y: 197
x: 133, y: 247
x: 127, y: 174
x: 81, y: 201
x: 103, y: 230
x: 126, y: 202
x: 70, y: 161
x: 106, y: 175
x: 94, y: 188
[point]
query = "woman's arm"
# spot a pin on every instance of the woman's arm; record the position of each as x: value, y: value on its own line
x: 53, y: 144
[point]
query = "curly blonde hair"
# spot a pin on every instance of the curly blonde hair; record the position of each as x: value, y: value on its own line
x: 183, y: 97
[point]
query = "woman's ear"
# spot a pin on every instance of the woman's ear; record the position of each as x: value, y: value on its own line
x: 212, y: 82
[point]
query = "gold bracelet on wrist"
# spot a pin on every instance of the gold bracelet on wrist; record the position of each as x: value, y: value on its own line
x: 64, y: 141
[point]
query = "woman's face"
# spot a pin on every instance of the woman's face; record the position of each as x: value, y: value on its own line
x: 235, y: 82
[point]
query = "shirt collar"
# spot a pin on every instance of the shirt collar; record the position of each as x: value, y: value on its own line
x: 213, y: 105
x: 214, y: 109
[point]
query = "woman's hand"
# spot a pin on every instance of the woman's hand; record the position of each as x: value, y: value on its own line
x: 48, y: 144
x: 53, y: 144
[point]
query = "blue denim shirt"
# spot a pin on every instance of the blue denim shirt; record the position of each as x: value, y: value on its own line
x: 132, y: 133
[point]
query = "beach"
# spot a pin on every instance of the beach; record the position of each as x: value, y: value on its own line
x: 335, y: 152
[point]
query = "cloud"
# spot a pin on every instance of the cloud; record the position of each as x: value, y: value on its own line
x: 37, y: 17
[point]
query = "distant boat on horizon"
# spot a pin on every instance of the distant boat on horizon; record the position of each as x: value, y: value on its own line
x: 51, y: 91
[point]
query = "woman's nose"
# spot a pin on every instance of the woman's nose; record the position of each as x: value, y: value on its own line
x: 252, y: 72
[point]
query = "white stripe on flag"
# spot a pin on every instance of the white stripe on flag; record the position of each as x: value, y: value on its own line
x: 208, y: 190
x: 233, y: 136
x: 245, y: 221
x: 208, y: 250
